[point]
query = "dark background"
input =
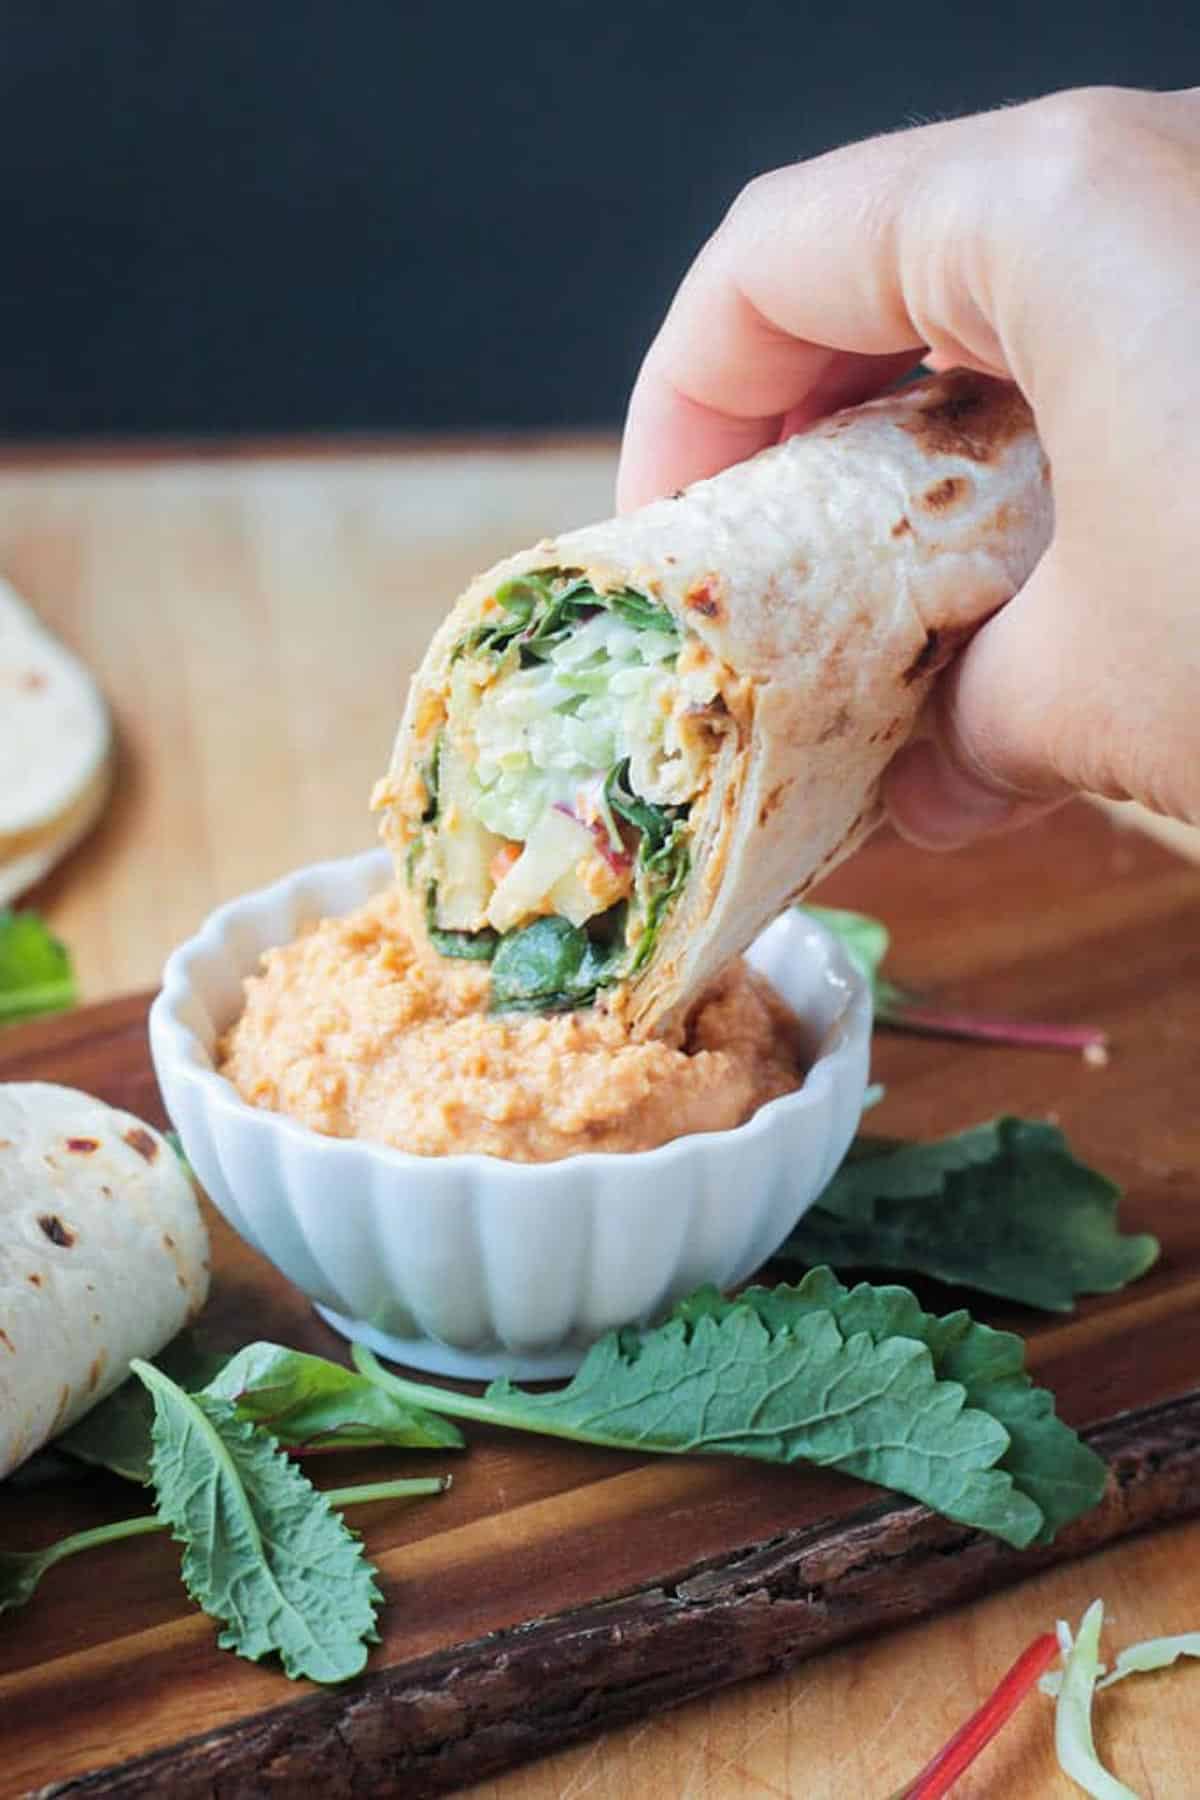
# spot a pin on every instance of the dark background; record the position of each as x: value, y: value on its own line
x: 304, y: 215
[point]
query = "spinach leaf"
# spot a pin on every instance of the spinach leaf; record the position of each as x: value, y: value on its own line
x: 540, y: 608
x: 311, y: 1404
x: 518, y: 601
x: 35, y: 969
x: 1004, y: 1208
x: 862, y: 1381
x: 550, y: 966
x: 637, y: 610
x: 467, y: 946
x: 655, y: 823
x: 307, y: 1402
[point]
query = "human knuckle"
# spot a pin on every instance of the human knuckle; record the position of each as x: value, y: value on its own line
x: 1083, y: 133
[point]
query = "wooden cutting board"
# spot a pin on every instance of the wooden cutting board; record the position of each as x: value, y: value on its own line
x: 557, y: 1590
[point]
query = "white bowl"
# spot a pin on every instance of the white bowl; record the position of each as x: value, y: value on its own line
x: 469, y: 1265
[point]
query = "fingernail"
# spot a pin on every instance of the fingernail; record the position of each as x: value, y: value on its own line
x: 936, y: 806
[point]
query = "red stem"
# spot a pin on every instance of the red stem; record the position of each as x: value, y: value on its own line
x: 938, y: 1776
x: 995, y: 1031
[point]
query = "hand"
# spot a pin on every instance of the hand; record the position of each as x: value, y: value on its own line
x: 1056, y: 244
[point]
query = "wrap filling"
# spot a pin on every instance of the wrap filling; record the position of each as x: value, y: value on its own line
x: 548, y: 828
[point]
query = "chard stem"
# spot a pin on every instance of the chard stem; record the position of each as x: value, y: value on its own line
x: 1020, y: 1032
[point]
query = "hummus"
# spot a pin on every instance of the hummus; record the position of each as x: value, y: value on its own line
x: 356, y: 1032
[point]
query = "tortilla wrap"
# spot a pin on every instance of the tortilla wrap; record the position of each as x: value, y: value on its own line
x: 55, y: 733
x: 831, y: 578
x: 103, y: 1256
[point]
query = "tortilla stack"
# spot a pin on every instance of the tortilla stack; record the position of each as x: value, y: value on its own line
x: 55, y: 748
x: 103, y: 1256
x: 629, y: 747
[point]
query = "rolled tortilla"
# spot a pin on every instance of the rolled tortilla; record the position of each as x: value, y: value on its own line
x: 815, y: 590
x: 103, y: 1256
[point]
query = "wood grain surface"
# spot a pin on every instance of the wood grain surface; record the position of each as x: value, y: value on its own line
x: 254, y: 623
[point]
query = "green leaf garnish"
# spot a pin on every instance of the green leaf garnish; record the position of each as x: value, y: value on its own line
x: 863, y: 1381
x: 22, y: 1570
x: 309, y: 1403
x: 264, y: 1552
x: 1004, y: 1208
x: 35, y: 969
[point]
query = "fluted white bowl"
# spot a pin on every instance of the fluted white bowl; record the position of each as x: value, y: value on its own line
x: 469, y: 1265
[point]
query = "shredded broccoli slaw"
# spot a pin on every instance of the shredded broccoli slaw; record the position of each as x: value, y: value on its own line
x: 579, y: 730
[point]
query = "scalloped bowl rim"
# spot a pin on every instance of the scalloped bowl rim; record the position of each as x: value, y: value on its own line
x: 193, y: 1060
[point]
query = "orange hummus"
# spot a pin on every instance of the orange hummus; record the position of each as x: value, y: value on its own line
x: 356, y: 1032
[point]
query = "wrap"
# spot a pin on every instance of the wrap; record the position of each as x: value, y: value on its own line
x: 103, y: 1256
x: 628, y: 748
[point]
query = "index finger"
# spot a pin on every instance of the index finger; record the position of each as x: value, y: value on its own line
x: 796, y: 306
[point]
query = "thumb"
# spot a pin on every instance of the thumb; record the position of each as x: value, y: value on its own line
x: 1003, y: 739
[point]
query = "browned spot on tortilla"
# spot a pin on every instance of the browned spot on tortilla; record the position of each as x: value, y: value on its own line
x: 64, y: 1401
x: 703, y: 598
x: 33, y: 681
x: 56, y: 1231
x: 936, y: 651
x: 6, y: 1143
x: 34, y: 1280
x: 180, y: 1282
x: 142, y: 1142
x: 944, y: 494
x: 94, y: 1372
x: 924, y: 661
x: 168, y: 1240
x: 837, y: 727
x: 902, y: 525
x: 5, y: 1339
x: 772, y: 801
x: 107, y: 1192
x: 967, y: 415
x: 83, y: 1146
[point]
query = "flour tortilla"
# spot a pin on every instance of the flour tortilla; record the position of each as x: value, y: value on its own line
x: 55, y: 733
x: 103, y: 1256
x: 835, y: 575
x: 42, y: 851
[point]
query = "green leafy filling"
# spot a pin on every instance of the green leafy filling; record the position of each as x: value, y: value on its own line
x: 1004, y: 1208
x: 35, y: 968
x: 551, y: 965
x: 463, y: 946
x: 540, y: 609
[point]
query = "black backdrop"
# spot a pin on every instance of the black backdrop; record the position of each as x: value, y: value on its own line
x: 275, y: 215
